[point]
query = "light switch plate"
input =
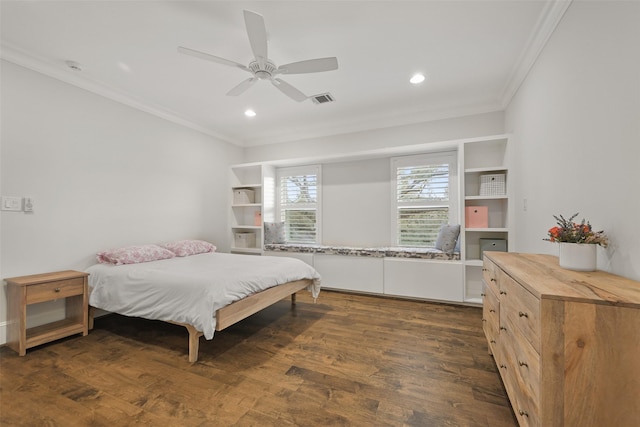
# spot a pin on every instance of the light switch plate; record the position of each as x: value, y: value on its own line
x: 11, y: 203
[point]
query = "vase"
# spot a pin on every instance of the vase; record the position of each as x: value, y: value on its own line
x: 578, y: 256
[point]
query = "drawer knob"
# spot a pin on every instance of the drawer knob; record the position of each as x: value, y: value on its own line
x: 492, y: 279
x: 523, y: 314
x: 482, y: 294
x: 502, y: 328
x: 492, y: 311
x: 484, y: 269
x: 493, y: 341
x: 503, y: 366
x: 523, y: 413
x: 521, y: 363
x: 503, y: 293
x: 484, y: 320
x: 57, y: 289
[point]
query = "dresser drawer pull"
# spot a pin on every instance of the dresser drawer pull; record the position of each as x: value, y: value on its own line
x: 57, y: 289
x: 492, y: 311
x: 482, y: 294
x: 523, y: 314
x: 503, y: 366
x: 503, y: 292
x: 521, y: 363
x: 484, y: 320
x: 502, y: 328
x: 492, y: 279
x: 492, y: 341
x: 523, y: 413
x: 485, y: 269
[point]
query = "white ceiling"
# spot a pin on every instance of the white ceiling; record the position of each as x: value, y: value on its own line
x: 474, y: 53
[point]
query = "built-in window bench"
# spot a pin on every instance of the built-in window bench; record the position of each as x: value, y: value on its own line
x: 424, y: 273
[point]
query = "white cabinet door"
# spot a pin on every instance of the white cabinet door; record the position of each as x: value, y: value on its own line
x: 350, y: 273
x: 308, y: 258
x: 436, y: 280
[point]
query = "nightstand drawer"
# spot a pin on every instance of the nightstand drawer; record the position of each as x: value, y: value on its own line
x: 53, y: 290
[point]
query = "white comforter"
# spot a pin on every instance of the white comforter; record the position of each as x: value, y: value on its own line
x: 191, y: 289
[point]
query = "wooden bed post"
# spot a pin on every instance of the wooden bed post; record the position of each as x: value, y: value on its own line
x: 293, y: 299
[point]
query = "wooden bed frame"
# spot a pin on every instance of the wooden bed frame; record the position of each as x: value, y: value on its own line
x: 236, y: 311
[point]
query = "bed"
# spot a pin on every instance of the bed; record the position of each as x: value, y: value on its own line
x: 204, y: 293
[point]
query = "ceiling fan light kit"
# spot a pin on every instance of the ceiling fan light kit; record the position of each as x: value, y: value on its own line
x: 261, y: 67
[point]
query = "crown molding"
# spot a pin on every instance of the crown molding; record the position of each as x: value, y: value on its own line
x: 60, y: 72
x: 545, y: 26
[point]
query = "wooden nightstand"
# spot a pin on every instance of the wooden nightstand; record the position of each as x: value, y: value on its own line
x: 25, y: 290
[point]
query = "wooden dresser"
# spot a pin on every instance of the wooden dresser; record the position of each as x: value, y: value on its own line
x: 566, y: 343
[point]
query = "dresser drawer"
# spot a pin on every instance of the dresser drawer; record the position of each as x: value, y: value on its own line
x: 522, y: 307
x: 490, y: 316
x: 53, y: 290
x: 523, y: 358
x: 489, y: 275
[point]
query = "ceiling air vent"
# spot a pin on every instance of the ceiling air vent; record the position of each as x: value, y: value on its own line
x: 323, y: 98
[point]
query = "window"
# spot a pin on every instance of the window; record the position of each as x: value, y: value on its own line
x: 424, y: 197
x: 299, y: 203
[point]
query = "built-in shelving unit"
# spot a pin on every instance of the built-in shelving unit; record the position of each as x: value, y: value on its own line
x: 479, y: 158
x: 254, y: 182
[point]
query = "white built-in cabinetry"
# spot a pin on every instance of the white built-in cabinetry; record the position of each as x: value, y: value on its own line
x: 248, y: 217
x: 483, y: 157
x: 454, y: 281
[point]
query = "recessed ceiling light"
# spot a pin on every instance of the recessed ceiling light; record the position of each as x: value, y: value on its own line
x: 417, y: 78
x: 250, y: 113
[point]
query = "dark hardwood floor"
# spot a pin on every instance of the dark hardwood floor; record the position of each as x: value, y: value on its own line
x: 348, y: 360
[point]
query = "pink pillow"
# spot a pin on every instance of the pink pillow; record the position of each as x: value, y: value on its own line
x: 134, y: 254
x: 189, y: 247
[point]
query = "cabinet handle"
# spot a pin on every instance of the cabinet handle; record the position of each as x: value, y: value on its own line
x: 493, y: 341
x: 523, y: 314
x: 492, y: 311
x: 521, y: 363
x: 57, y: 289
x: 523, y: 413
x: 492, y: 279
x: 484, y: 320
x: 503, y: 293
x: 503, y: 366
x: 485, y: 269
x: 502, y: 328
x: 482, y: 294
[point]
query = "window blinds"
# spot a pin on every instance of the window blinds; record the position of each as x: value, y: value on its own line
x: 422, y: 201
x: 298, y: 207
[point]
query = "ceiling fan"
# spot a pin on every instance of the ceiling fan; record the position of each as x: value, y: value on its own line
x: 261, y: 67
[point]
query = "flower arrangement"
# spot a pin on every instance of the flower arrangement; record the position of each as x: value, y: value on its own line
x: 572, y: 232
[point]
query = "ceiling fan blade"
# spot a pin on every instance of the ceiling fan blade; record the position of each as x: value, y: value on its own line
x: 243, y: 86
x: 213, y: 58
x: 289, y: 90
x: 309, y: 66
x: 257, y: 33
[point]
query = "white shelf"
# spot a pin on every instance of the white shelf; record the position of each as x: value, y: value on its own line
x: 485, y: 169
x: 246, y: 250
x: 488, y: 230
x: 501, y: 197
x: 473, y: 262
x: 246, y: 205
x: 246, y: 227
x: 239, y: 187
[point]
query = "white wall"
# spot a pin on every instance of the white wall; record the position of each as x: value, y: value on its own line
x: 346, y: 144
x: 101, y: 175
x: 355, y: 203
x: 576, y: 122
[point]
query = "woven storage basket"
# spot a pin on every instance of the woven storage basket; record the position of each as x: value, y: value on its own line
x: 492, y: 185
